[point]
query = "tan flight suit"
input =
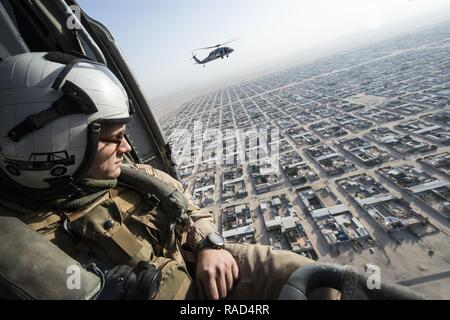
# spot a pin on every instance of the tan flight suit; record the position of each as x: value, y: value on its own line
x: 122, y: 228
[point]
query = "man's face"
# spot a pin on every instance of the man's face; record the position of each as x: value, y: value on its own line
x: 111, y: 147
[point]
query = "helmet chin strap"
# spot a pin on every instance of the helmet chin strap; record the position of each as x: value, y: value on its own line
x: 91, y: 151
x: 74, y: 100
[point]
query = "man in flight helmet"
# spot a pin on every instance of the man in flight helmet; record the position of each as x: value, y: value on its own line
x: 64, y: 174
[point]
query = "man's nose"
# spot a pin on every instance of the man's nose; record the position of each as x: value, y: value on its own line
x: 124, y: 146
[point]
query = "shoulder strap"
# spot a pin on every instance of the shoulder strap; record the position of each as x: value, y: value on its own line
x: 167, y: 197
x: 72, y: 216
x: 126, y: 199
x: 39, y: 223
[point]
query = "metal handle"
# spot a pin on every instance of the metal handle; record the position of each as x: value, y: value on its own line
x: 351, y: 284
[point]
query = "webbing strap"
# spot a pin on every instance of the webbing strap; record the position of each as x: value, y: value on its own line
x: 127, y: 201
x: 44, y: 223
x: 75, y: 100
x: 72, y: 216
x: 127, y: 242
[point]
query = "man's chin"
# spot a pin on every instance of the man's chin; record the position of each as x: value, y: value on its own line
x: 117, y: 173
x: 114, y: 174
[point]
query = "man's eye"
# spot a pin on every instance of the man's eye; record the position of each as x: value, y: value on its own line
x: 116, y: 139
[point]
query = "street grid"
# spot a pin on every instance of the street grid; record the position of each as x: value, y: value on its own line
x: 334, y: 125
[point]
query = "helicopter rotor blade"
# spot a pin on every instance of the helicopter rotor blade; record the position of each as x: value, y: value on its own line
x: 216, y: 46
x: 229, y: 41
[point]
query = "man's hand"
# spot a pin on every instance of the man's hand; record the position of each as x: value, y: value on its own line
x: 217, y: 271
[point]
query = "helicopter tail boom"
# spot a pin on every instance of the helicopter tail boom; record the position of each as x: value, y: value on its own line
x: 196, y: 60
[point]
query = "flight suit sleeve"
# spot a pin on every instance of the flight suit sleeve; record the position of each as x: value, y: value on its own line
x: 201, y: 221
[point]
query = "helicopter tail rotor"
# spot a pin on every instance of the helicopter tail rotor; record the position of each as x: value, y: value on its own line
x: 195, y: 58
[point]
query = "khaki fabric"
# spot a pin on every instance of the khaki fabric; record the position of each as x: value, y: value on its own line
x: 115, y: 244
x: 202, y: 222
x: 136, y: 231
x: 176, y: 284
x: 263, y: 271
x: 139, y: 232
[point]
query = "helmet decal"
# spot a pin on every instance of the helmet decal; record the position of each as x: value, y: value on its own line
x: 54, y: 162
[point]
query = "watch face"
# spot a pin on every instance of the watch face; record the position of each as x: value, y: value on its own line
x: 216, y: 239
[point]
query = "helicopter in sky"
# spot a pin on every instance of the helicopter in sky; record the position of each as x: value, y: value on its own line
x: 219, y: 52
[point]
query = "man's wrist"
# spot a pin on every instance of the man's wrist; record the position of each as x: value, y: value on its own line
x: 213, y: 240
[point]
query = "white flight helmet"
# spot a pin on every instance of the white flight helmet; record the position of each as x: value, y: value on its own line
x: 52, y: 106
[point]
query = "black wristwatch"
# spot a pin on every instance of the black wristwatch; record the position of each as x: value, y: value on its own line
x: 214, y: 240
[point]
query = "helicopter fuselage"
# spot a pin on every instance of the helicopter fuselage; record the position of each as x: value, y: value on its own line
x: 220, y: 52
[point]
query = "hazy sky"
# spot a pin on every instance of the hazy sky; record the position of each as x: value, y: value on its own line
x: 158, y: 36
